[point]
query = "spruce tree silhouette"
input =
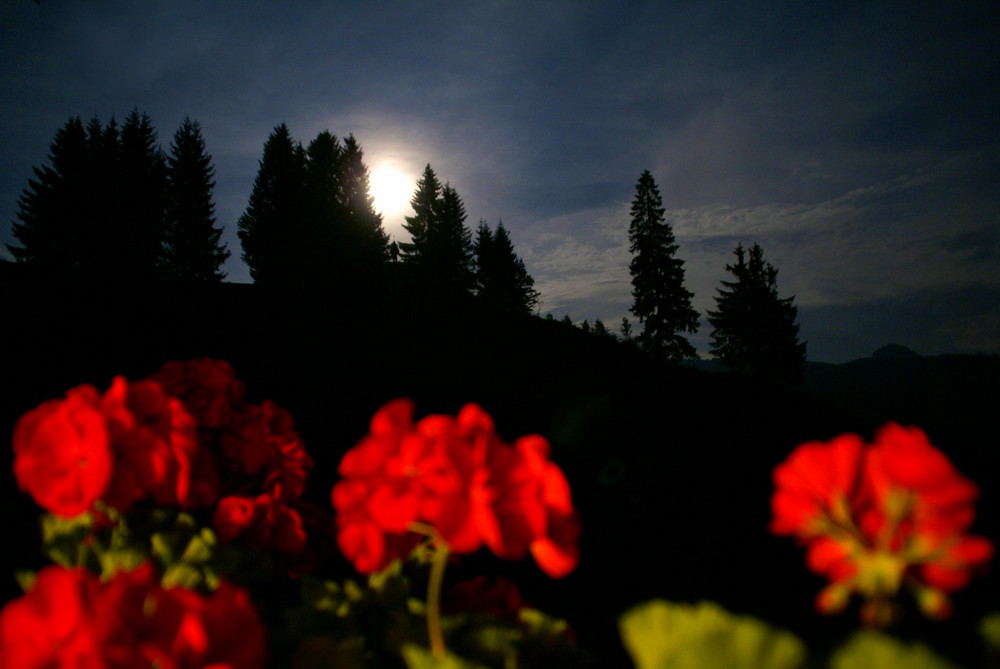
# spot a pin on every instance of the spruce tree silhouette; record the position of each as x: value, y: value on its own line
x: 367, y: 238
x: 502, y: 281
x: 50, y: 208
x: 327, y: 252
x: 448, y: 247
x: 192, y: 251
x: 139, y: 194
x: 272, y: 229
x: 425, y: 206
x: 97, y: 212
x: 440, y: 249
x: 754, y: 329
x: 660, y: 301
x: 310, y: 221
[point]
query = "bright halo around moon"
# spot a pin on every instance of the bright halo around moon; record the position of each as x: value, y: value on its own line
x: 392, y: 189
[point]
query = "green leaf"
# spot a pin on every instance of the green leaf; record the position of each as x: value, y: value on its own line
x: 25, y: 579
x: 666, y: 635
x: 63, y: 539
x: 183, y: 576
x: 541, y: 624
x: 989, y: 629
x: 162, y: 548
x: 122, y: 559
x: 875, y: 650
x: 418, y: 657
x: 199, y: 549
x: 55, y: 528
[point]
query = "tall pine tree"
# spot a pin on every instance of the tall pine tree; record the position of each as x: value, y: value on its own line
x: 97, y: 212
x: 140, y: 198
x: 49, y: 222
x: 272, y: 229
x: 440, y: 245
x: 328, y: 252
x: 501, y: 278
x: 448, y: 247
x: 101, y: 208
x: 754, y: 328
x: 367, y: 238
x: 192, y: 251
x: 660, y: 301
x: 426, y: 205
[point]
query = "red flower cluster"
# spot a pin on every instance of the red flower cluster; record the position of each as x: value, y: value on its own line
x: 455, y: 475
x: 878, y: 516
x: 71, y: 619
x: 184, y: 437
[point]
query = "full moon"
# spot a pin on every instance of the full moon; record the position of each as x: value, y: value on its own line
x: 392, y: 190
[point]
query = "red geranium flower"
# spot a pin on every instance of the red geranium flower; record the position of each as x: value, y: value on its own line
x: 62, y: 621
x: 455, y: 475
x: 176, y: 627
x: 264, y: 522
x: 155, y: 441
x: 71, y: 619
x: 264, y: 444
x: 62, y: 452
x: 208, y: 388
x: 817, y: 483
x: 911, y: 479
x: 876, y: 517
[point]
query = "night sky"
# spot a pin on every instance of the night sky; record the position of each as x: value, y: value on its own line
x: 857, y: 142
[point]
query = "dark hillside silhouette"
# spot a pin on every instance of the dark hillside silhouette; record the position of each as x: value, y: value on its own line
x: 670, y: 467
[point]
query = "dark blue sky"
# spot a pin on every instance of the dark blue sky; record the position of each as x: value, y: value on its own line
x: 857, y: 142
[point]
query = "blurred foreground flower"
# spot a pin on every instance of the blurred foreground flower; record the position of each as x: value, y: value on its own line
x: 161, y: 493
x: 70, y: 618
x: 878, y: 516
x: 661, y: 634
x: 451, y: 485
x: 455, y: 476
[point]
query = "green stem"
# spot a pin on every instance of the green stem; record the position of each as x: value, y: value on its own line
x: 439, y: 560
x: 434, y: 630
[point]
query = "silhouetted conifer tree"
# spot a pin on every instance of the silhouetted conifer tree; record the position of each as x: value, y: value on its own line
x: 98, y: 211
x: 272, y: 230
x: 601, y: 330
x: 139, y: 195
x: 501, y: 278
x: 101, y: 210
x: 324, y: 214
x: 754, y: 329
x: 660, y: 301
x: 449, y: 242
x: 192, y: 251
x: 441, y: 244
x: 50, y: 210
x: 368, y: 241
x: 626, y: 329
x: 426, y: 205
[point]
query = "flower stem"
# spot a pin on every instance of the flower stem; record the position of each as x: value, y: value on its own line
x: 439, y: 560
x: 434, y: 630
